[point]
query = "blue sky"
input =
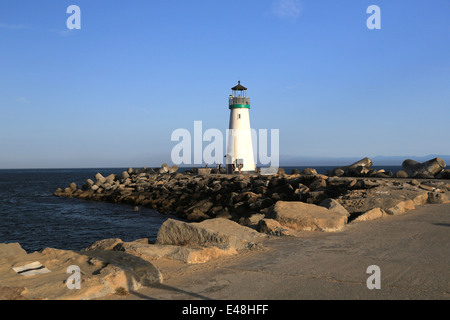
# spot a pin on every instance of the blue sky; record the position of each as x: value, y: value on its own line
x: 112, y: 93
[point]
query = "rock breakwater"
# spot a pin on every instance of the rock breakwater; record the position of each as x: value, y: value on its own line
x: 197, y: 197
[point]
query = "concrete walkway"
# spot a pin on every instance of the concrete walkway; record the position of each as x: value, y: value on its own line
x: 412, y: 251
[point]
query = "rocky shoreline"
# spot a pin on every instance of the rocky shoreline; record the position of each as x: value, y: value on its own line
x: 219, y: 215
x: 201, y: 194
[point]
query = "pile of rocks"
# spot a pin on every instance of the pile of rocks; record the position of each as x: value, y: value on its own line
x: 361, y: 168
x: 434, y: 168
x: 196, y: 197
x: 199, y: 197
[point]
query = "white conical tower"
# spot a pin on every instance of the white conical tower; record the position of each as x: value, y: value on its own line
x: 240, y: 146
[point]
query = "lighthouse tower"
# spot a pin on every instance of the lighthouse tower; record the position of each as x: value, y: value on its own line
x: 240, y: 146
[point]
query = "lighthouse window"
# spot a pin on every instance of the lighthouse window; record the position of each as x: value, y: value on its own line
x: 239, y: 115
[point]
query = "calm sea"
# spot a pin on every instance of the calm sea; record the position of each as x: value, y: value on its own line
x: 32, y: 216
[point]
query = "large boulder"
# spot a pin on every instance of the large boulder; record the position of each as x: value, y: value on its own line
x: 191, y: 255
x: 110, y: 179
x: 219, y: 232
x: 308, y: 217
x: 125, y: 175
x: 165, y: 168
x: 427, y: 169
x: 359, y: 168
x: 100, y: 179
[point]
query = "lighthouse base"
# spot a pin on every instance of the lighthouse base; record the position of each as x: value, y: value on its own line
x: 233, y: 169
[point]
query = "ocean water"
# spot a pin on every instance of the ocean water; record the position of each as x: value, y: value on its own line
x: 32, y: 216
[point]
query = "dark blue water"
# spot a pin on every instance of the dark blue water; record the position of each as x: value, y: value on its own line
x: 32, y: 216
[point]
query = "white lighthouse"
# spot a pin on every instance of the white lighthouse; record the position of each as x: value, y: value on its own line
x: 240, y: 146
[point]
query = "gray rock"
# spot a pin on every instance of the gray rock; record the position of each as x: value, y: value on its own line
x: 125, y: 175
x: 426, y: 169
x: 104, y: 244
x: 73, y: 186
x: 68, y: 190
x: 338, y: 172
x: 301, y: 192
x: 309, y: 171
x: 437, y: 198
x: 359, y: 168
x: 99, y: 178
x: 318, y: 184
x: 422, y: 175
x: 360, y: 171
x: 218, y: 232
x: 204, y: 171
x: 253, y: 220
x: 161, y: 170
x: 445, y: 174
x: 307, y: 217
x: 165, y: 167
x: 401, y: 207
x: 184, y: 254
x: 372, y: 214
x: 401, y: 174
x: 273, y: 228
x: 110, y: 179
x: 369, y: 184
x: 334, y: 206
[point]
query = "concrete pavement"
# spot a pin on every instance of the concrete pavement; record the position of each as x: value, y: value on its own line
x: 411, y: 250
